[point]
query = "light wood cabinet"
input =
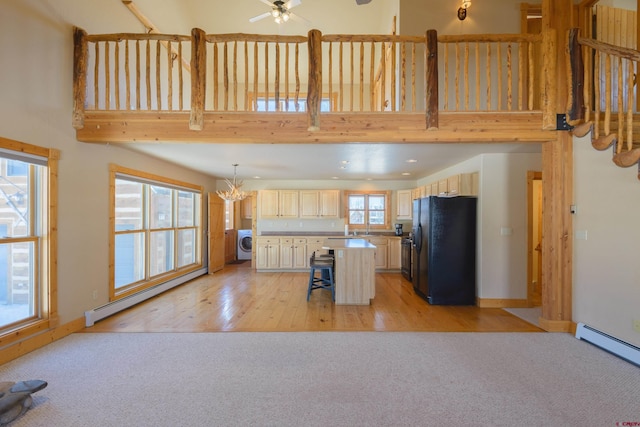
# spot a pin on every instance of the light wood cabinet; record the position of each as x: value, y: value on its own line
x: 279, y: 203
x: 443, y: 186
x: 463, y: 184
x: 319, y: 204
x: 381, y: 244
x: 404, y: 203
x: 394, y: 261
x: 267, y: 253
x: 293, y: 253
x: 246, y: 208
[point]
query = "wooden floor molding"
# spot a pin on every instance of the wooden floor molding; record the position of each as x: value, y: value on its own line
x: 30, y: 344
x: 240, y: 299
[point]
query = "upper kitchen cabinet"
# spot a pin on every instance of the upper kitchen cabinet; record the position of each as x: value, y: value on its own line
x: 321, y: 204
x: 463, y: 184
x: 247, y: 208
x: 404, y: 204
x: 279, y: 203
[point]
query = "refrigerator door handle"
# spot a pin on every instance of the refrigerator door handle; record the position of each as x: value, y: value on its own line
x: 418, y: 239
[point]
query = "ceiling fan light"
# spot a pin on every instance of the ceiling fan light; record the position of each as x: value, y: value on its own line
x: 275, y: 13
x: 285, y: 16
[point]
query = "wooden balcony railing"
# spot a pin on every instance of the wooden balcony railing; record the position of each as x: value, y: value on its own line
x: 603, y: 96
x: 313, y: 75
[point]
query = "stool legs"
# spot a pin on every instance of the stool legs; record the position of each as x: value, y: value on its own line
x: 322, y: 282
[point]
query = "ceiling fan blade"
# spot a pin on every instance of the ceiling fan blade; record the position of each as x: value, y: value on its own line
x: 299, y: 18
x: 267, y: 2
x: 259, y: 17
x: 292, y: 3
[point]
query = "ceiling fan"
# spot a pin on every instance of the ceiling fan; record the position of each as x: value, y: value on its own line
x: 280, y: 11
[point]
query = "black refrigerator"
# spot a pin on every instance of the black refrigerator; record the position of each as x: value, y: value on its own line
x: 444, y: 249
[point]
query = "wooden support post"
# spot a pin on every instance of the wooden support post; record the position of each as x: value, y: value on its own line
x: 314, y: 90
x: 80, y: 53
x: 557, y: 175
x: 431, y: 79
x: 198, y: 78
x: 575, y: 66
x: 549, y: 80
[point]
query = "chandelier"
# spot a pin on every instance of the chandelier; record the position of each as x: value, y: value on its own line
x: 234, y: 193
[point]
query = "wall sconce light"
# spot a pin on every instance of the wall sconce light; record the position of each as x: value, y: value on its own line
x: 462, y: 10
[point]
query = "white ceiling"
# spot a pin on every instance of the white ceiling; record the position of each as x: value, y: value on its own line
x: 276, y: 161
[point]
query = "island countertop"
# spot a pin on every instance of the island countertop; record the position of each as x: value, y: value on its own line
x: 347, y: 242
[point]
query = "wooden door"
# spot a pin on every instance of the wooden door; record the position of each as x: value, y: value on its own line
x: 216, y: 233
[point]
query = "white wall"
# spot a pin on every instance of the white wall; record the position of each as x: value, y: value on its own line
x: 35, y: 108
x: 606, y: 280
x: 502, y: 204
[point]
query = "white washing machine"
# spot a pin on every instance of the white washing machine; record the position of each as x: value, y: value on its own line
x: 244, y: 244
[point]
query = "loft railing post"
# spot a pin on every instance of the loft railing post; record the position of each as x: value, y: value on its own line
x: 80, y: 53
x: 431, y: 79
x: 549, y: 80
x: 198, y: 78
x: 314, y: 91
x: 575, y: 113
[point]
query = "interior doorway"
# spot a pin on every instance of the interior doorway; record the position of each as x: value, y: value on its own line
x: 534, y: 238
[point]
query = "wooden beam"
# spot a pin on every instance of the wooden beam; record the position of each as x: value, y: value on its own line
x: 151, y: 28
x: 291, y: 128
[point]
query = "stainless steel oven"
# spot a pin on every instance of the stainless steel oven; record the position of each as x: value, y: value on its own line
x: 406, y: 258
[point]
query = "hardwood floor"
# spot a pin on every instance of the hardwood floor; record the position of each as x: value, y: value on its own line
x: 239, y: 299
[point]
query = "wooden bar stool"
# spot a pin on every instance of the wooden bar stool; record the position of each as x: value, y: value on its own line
x: 324, y: 266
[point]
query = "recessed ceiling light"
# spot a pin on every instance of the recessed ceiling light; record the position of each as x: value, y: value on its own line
x: 411, y: 161
x: 256, y: 177
x: 334, y: 177
x: 406, y: 173
x: 343, y: 167
x: 345, y: 162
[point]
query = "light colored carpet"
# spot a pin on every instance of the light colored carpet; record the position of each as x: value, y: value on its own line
x: 531, y: 315
x: 327, y: 379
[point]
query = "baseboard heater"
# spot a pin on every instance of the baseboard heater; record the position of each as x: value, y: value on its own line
x: 613, y: 345
x: 98, y: 313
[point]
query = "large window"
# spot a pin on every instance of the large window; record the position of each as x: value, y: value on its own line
x: 368, y: 210
x: 156, y: 230
x: 27, y: 238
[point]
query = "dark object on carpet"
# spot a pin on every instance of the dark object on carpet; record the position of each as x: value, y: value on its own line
x: 15, y: 398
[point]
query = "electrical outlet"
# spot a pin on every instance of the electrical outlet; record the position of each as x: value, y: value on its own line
x: 636, y: 325
x: 95, y: 294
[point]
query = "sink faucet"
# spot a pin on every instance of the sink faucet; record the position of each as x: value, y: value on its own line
x: 367, y: 229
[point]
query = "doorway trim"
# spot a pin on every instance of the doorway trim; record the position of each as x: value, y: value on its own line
x: 533, y: 176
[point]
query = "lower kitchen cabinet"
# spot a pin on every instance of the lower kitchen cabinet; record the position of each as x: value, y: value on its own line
x: 267, y: 253
x: 293, y: 253
x: 381, y: 244
x: 394, y: 261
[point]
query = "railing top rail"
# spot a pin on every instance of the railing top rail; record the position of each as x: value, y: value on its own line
x: 137, y: 36
x: 623, y: 52
x: 376, y: 38
x: 275, y: 38
x: 489, y: 38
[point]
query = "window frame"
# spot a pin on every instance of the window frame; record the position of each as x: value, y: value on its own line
x: 366, y: 194
x: 148, y: 180
x: 45, y: 237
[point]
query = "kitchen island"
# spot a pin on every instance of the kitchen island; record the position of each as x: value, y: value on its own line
x: 354, y: 270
